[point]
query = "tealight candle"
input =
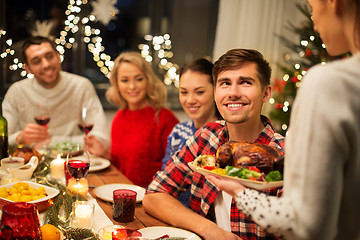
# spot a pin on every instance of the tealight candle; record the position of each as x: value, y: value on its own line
x: 8, y: 179
x: 80, y: 187
x: 106, y: 232
x: 83, y: 213
x: 57, y: 168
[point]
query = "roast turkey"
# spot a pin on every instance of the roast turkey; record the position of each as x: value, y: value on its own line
x: 241, y: 154
x: 26, y: 153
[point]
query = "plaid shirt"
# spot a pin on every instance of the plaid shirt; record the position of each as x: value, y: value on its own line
x: 177, y: 176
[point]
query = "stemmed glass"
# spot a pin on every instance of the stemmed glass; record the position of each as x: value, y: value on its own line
x: 86, y: 121
x: 42, y: 115
x: 78, y: 166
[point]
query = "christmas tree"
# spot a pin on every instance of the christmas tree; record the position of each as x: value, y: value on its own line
x: 310, y: 50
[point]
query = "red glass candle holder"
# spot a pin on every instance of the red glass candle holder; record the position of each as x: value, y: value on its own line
x: 20, y: 220
x: 124, y: 205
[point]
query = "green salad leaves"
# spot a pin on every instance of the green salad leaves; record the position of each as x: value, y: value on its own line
x: 247, y: 173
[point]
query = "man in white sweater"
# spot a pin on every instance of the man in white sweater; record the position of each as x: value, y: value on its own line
x: 64, y: 94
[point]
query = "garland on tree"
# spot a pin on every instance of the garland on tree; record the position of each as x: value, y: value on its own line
x: 310, y: 51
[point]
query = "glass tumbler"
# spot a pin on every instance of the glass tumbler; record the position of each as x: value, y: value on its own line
x: 20, y: 220
x: 124, y: 205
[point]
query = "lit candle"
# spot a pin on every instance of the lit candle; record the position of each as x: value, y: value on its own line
x: 57, y: 168
x: 106, y: 232
x: 78, y: 187
x: 83, y: 214
x: 9, y: 179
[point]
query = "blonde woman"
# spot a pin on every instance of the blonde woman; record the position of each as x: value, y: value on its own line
x: 141, y: 126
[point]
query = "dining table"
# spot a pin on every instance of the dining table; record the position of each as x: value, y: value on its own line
x: 112, y: 175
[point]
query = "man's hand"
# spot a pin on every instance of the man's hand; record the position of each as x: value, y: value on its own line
x: 216, y: 233
x: 33, y: 133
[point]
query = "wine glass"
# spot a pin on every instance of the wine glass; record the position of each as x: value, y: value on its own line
x: 20, y: 220
x: 42, y: 115
x: 77, y: 166
x: 86, y: 121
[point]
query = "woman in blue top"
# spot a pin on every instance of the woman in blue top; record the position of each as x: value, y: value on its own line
x: 196, y: 95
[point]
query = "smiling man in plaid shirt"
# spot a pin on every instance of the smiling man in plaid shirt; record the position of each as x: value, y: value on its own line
x: 242, y: 85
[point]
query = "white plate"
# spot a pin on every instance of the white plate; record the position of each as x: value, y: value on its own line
x: 155, y: 232
x: 247, y: 183
x: 96, y: 163
x: 105, y: 192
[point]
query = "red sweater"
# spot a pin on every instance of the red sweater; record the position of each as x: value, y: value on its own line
x: 139, y: 142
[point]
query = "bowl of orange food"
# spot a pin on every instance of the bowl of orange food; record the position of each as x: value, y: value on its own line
x: 25, y: 191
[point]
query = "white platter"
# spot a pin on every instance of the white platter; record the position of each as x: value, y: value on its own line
x: 105, y: 192
x: 155, y: 232
x: 247, y: 183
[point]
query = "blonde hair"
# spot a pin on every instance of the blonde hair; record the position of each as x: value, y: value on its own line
x: 156, y: 90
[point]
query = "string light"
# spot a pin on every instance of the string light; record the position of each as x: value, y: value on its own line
x: 8, y: 51
x: 162, y: 47
x: 160, y: 44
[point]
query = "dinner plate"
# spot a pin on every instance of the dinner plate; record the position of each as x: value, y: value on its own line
x: 105, y: 192
x: 98, y: 163
x: 155, y: 232
x: 246, y: 182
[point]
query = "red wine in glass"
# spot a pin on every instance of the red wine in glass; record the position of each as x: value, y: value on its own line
x: 85, y: 128
x: 42, y: 120
x: 77, y: 168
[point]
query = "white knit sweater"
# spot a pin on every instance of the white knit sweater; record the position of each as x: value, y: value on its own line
x: 65, y: 101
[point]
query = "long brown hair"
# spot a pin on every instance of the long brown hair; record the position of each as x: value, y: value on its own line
x: 203, y: 66
x: 156, y: 90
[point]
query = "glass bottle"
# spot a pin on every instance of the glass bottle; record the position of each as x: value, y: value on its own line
x: 4, y: 143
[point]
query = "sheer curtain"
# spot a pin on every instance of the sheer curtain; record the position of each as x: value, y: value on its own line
x: 255, y: 24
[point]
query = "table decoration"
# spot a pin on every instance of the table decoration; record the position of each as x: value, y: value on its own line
x: 20, y: 220
x: 58, y: 214
x: 82, y: 214
x: 124, y: 205
x: 80, y: 187
x: 8, y: 178
x: 57, y: 167
x: 106, y: 232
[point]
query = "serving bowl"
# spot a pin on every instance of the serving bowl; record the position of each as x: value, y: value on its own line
x: 42, y: 203
x: 12, y: 162
x: 65, y: 148
x: 24, y: 172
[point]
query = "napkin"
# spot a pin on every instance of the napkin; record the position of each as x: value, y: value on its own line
x: 100, y: 218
